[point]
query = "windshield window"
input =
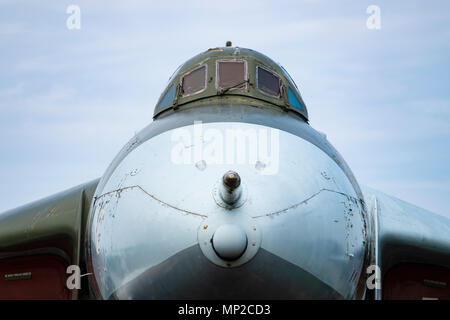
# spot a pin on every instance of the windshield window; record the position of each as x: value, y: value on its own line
x: 194, y: 81
x: 231, y: 73
x: 293, y: 100
x: 287, y: 75
x: 168, y: 98
x: 267, y: 82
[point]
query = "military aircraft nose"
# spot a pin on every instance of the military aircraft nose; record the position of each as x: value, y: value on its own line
x: 229, y: 241
x: 291, y: 228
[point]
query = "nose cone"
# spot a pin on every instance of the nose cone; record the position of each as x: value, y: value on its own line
x: 162, y: 229
x: 229, y: 241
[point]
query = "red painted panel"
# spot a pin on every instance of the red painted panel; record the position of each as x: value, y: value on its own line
x: 48, y: 278
x: 417, y: 282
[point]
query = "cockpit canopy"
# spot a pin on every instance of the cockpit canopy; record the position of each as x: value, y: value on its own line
x: 231, y: 71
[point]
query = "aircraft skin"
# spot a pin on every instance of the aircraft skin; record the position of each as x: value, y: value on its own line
x: 170, y: 219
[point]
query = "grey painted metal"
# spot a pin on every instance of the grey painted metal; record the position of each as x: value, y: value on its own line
x: 307, y: 210
x: 267, y: 276
x: 237, y: 109
x: 244, y: 221
x: 406, y: 233
x: 229, y: 241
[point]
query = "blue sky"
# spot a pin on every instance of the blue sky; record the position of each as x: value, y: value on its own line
x: 70, y: 99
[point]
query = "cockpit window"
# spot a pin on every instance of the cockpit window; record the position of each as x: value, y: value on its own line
x: 231, y: 74
x: 174, y: 73
x: 267, y: 82
x: 293, y: 100
x: 287, y: 75
x: 168, y: 98
x: 194, y: 81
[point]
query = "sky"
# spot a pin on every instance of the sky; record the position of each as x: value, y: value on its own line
x: 71, y: 98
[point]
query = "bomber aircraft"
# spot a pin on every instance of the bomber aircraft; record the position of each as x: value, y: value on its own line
x: 229, y: 193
